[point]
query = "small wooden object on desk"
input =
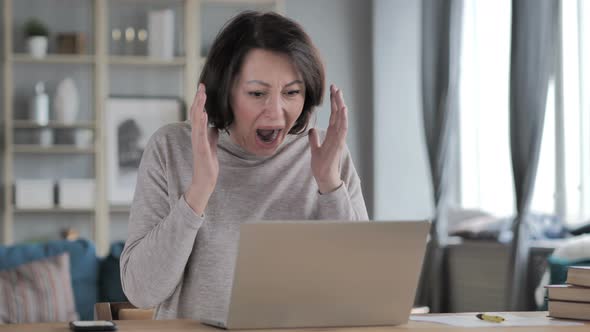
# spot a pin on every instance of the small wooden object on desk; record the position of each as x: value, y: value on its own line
x: 120, y: 311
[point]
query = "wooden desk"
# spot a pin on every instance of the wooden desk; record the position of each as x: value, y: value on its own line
x: 195, y: 326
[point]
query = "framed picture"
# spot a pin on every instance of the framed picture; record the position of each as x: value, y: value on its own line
x: 129, y: 124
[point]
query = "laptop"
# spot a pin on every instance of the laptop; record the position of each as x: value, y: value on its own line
x: 325, y: 274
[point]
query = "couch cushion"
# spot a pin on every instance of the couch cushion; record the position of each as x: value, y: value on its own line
x: 40, y: 291
x: 83, y: 267
x: 109, y: 281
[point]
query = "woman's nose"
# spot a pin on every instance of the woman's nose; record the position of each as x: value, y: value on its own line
x: 274, y: 106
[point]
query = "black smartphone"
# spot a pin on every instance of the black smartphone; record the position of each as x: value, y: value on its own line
x: 93, y: 325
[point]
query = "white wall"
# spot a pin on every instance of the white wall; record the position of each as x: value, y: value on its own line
x: 401, y: 172
x: 372, y: 51
x: 342, y: 30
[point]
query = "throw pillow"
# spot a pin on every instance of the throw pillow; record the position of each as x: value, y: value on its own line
x: 40, y: 291
x: 83, y: 267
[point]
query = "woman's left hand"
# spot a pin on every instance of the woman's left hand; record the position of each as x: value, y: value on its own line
x: 325, y: 158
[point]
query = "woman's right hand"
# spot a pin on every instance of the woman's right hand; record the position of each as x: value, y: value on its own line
x: 205, y: 163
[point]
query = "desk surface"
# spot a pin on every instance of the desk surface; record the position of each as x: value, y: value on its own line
x: 195, y: 326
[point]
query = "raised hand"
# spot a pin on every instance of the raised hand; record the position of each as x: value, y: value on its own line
x: 325, y: 157
x: 205, y: 163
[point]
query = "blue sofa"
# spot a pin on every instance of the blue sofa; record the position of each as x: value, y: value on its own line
x: 93, y: 279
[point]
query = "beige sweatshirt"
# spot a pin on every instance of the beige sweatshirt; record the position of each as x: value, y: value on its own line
x: 182, y: 263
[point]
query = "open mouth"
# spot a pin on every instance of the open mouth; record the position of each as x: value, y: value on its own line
x: 268, y: 136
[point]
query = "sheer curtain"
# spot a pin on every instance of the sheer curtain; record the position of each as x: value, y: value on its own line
x: 441, y: 45
x: 534, y: 32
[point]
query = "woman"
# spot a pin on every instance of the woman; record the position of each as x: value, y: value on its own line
x: 248, y: 160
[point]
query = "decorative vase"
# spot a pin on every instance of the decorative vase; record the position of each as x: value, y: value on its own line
x: 37, y: 46
x: 66, y: 102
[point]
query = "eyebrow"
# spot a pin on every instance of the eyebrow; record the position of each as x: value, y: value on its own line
x: 268, y: 85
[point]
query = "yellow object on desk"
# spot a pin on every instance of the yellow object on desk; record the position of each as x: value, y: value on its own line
x: 490, y: 318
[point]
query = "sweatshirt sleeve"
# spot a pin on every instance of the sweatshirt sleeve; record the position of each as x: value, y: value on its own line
x: 346, y: 202
x: 162, y: 231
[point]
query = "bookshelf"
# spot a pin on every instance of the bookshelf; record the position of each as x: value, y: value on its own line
x: 56, y: 210
x: 135, y: 60
x: 31, y: 148
x: 26, y: 124
x: 54, y: 59
x: 100, y: 63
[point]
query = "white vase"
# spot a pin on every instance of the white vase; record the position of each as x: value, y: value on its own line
x: 37, y: 46
x: 66, y: 101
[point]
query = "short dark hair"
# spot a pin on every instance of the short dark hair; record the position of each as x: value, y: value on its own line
x: 268, y: 31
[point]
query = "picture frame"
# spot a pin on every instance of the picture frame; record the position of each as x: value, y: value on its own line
x: 129, y: 123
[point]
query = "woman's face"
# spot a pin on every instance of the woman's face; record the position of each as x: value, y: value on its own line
x: 267, y: 98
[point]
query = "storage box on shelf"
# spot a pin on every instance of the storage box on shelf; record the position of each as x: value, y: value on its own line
x: 76, y: 193
x: 34, y: 194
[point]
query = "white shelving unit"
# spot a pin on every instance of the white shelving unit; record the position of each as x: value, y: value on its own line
x: 56, y: 210
x: 54, y: 59
x: 102, y: 62
x: 144, y: 61
x: 56, y: 149
x: 26, y: 124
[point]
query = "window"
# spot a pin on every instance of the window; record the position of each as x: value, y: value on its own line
x: 576, y: 111
x: 562, y: 185
x: 485, y: 166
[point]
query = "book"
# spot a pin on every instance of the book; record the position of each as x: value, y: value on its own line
x: 578, y: 275
x: 568, y: 293
x: 571, y: 310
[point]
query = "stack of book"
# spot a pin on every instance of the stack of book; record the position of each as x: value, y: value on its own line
x: 571, y: 300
